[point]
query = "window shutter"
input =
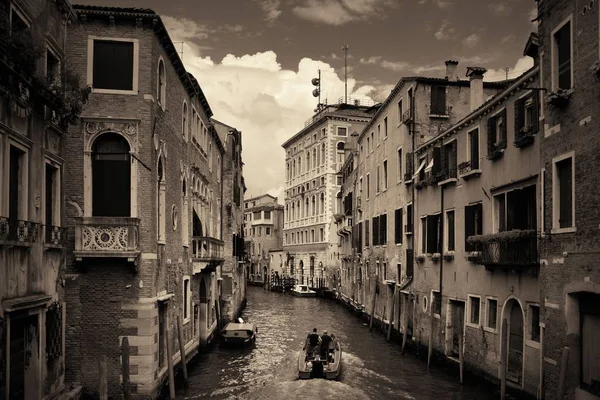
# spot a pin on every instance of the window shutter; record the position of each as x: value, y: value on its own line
x: 398, y: 226
x: 375, y: 231
x: 409, y: 163
x: 367, y: 233
x: 491, y: 134
x: 453, y: 160
x: 479, y: 218
x: 234, y: 241
x: 535, y: 112
x: 504, y: 125
x: 442, y: 101
x: 437, y: 160
x: 519, y: 117
x: 383, y: 227
x: 444, y: 161
x: 475, y: 149
x: 469, y: 223
x: 434, y: 100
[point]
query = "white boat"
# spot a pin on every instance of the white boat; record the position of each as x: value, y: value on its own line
x: 303, y: 291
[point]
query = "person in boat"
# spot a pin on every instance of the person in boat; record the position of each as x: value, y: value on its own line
x: 325, y: 343
x: 313, y: 340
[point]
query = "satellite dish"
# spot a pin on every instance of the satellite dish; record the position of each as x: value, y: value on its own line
x: 316, y: 93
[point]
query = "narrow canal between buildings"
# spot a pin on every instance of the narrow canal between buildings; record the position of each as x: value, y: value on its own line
x: 372, y: 368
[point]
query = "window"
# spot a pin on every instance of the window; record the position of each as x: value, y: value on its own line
x: 322, y: 234
x: 339, y: 180
x: 398, y: 226
x: 563, y: 193
x: 342, y: 131
x: 367, y: 227
x: 450, y: 231
x: 409, y: 167
x: 589, y: 317
x: 534, y: 322
x: 184, y: 121
x: 378, y: 183
x: 385, y: 127
x: 433, y: 234
x: 496, y: 128
x: 448, y: 160
x: 491, y: 313
x: 422, y: 162
x: 409, y: 219
x: 53, y: 75
x: 399, y: 272
x: 400, y: 161
x: 379, y: 134
x: 516, y: 209
x: 423, y: 235
x: 385, y: 175
x: 368, y: 145
x: 187, y: 298
x: 473, y: 223
x: 562, y: 68
x: 267, y: 214
x: 436, y: 303
x: 18, y: 22
x: 368, y: 185
x: 113, y: 65
x: 474, y: 149
x: 438, y: 100
x: 161, y: 84
x: 380, y: 230
x: 474, y: 310
x: 400, y: 111
x: 52, y: 199
x: 527, y: 115
x: 18, y: 178
x: 268, y: 231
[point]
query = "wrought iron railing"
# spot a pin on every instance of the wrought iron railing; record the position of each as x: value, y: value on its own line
x: 468, y: 166
x: 506, y: 249
x: 17, y: 230
x: 207, y: 248
x: 446, y: 174
x: 55, y: 235
x: 106, y: 234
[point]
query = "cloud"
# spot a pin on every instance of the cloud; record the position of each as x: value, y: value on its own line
x: 183, y: 28
x: 445, y: 32
x: 271, y: 9
x: 340, y: 12
x: 370, y: 60
x: 396, y: 65
x: 267, y: 103
x: 522, y: 65
x: 508, y: 39
x: 501, y: 9
x: 443, y: 4
x: 471, y: 40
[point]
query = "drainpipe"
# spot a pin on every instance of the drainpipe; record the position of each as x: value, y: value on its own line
x: 441, y: 245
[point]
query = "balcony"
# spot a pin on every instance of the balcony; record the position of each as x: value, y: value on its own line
x: 55, y: 237
x: 15, y: 232
x: 446, y: 176
x: 103, y: 237
x: 469, y: 169
x: 207, y: 253
x: 509, y: 249
x: 407, y: 116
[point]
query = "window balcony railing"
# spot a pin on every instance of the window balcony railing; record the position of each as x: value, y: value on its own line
x: 468, y: 168
x: 55, y: 236
x: 207, y: 248
x: 98, y: 237
x: 18, y: 231
x: 407, y: 116
x: 515, y: 248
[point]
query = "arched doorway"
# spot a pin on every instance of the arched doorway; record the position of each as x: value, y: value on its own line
x: 301, y: 266
x: 312, y: 270
x: 111, y: 176
x: 265, y: 274
x: 513, y: 314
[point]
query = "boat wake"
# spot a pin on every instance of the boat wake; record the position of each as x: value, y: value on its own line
x: 312, y: 388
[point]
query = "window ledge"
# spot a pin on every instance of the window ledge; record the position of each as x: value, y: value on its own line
x: 490, y: 330
x: 532, y: 344
x: 408, y: 182
x: 186, y: 321
x: 436, y: 316
x: 114, y: 91
x: 572, y: 229
x: 161, y: 242
x: 474, y: 172
x: 474, y: 326
x: 445, y: 116
x: 408, y: 233
x: 447, y: 181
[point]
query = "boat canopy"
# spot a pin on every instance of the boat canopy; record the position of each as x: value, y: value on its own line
x: 239, y: 327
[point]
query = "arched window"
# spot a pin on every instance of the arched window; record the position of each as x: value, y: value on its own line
x: 338, y: 203
x: 161, y: 91
x: 161, y: 201
x: 210, y: 156
x: 322, y: 203
x: 184, y: 121
x: 315, y: 165
x: 340, y: 147
x: 323, y: 154
x: 111, y: 176
x: 307, y: 161
x: 306, y: 209
x: 314, y: 201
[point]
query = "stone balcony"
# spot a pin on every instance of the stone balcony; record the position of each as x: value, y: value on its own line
x: 103, y: 237
x: 207, y: 253
x: 15, y: 232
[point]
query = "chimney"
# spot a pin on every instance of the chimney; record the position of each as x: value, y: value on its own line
x: 475, y: 75
x: 451, y: 70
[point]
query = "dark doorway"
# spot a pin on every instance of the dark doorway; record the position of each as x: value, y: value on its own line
x: 23, y: 343
x: 162, y: 323
x: 515, y: 344
x: 111, y: 176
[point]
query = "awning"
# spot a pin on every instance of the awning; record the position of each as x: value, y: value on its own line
x: 429, y: 166
x: 419, y: 169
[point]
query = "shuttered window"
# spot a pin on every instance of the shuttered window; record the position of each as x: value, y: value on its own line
x: 409, y: 218
x: 438, y: 100
x: 562, y: 40
x: 409, y: 165
x: 433, y: 234
x: 383, y: 229
x: 448, y: 160
x: 564, y: 172
x: 450, y: 241
x: 113, y: 65
x: 473, y: 223
x: 376, y: 231
x: 398, y: 225
x: 474, y: 148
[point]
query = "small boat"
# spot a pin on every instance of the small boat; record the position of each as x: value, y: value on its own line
x: 238, y: 334
x: 303, y: 291
x: 313, y: 366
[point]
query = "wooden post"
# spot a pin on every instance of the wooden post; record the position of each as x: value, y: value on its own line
x: 389, y: 335
x: 182, y: 351
x: 405, y: 325
x: 503, y: 358
x: 564, y: 362
x: 125, y: 368
x: 170, y: 364
x: 430, y: 349
x: 461, y: 353
x: 103, y: 389
x: 373, y: 305
x: 218, y: 311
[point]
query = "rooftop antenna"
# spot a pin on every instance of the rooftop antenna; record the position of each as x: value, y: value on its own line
x: 317, y: 92
x: 506, y: 69
x: 180, y: 52
x: 345, y: 48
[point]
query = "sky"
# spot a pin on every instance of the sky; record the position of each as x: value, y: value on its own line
x: 255, y: 59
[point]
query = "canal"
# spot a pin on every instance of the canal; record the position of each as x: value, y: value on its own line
x: 372, y: 368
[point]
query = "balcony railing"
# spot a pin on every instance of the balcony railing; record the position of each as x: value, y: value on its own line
x: 55, y: 236
x: 206, y: 248
x: 15, y: 230
x: 506, y: 249
x: 446, y: 174
x: 468, y: 167
x: 407, y: 116
x: 107, y: 237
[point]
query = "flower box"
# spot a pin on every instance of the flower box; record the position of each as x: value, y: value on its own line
x: 558, y: 99
x: 420, y: 257
x: 474, y: 256
x: 449, y: 255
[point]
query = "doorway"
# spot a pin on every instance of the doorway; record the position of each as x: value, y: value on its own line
x: 456, y: 327
x: 162, y: 323
x: 514, y: 315
x: 24, y: 357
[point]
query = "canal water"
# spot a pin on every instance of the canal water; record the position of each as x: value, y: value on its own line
x: 372, y: 368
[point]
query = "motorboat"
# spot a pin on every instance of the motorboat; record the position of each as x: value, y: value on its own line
x: 303, y: 291
x: 239, y: 333
x: 312, y: 365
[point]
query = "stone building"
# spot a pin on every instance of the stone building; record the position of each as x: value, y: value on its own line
x: 476, y: 278
x: 314, y: 158
x: 263, y: 217
x: 33, y: 35
x: 381, y: 268
x: 569, y: 149
x: 144, y: 203
x: 233, y: 272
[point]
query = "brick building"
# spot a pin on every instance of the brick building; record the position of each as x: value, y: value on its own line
x: 144, y: 203
x: 314, y: 158
x: 32, y: 234
x: 263, y: 218
x: 569, y: 149
x: 381, y: 266
x: 476, y: 279
x: 233, y: 272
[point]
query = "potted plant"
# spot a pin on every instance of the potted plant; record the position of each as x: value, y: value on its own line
x: 449, y: 255
x: 559, y: 98
x: 436, y: 256
x: 525, y: 136
x: 474, y: 256
x: 496, y: 150
x: 421, y: 257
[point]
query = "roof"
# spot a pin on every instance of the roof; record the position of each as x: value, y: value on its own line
x: 261, y: 196
x: 430, y: 81
x: 188, y: 80
x: 498, y: 98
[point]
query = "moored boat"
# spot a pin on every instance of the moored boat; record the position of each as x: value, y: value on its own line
x: 303, y: 291
x: 238, y: 334
x: 312, y: 365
